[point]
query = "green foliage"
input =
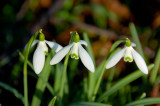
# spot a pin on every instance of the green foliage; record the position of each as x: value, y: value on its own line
x: 12, y: 90
x: 52, y: 102
x: 146, y: 101
x: 102, y: 24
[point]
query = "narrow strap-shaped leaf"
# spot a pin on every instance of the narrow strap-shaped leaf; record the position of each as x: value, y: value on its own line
x: 52, y: 102
x: 31, y: 66
x: 12, y: 90
x: 126, y: 80
x: 146, y: 101
x: 89, y: 104
x: 136, y: 38
x: 41, y: 85
x: 91, y: 77
x: 155, y: 69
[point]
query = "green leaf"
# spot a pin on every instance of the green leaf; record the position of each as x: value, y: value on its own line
x: 155, y: 69
x: 126, y: 80
x: 25, y: 81
x: 136, y: 38
x: 91, y: 78
x: 89, y: 104
x: 52, y: 102
x: 147, y: 101
x: 41, y: 82
x: 31, y: 66
x: 12, y: 90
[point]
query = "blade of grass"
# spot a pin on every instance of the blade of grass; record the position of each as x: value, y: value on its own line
x: 91, y: 75
x: 52, y: 102
x: 146, y: 101
x: 136, y: 38
x: 89, y: 104
x: 25, y: 66
x: 12, y: 90
x: 100, y: 71
x: 41, y: 85
x: 65, y: 69
x: 64, y: 76
x: 155, y: 69
x: 126, y: 80
x: 58, y: 76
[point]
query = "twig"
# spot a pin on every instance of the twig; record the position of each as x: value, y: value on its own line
x: 90, y: 28
x: 44, y: 19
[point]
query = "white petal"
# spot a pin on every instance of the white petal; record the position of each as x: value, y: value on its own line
x: 115, y: 59
x: 140, y: 61
x: 128, y: 54
x: 83, y: 42
x: 60, y: 54
x: 55, y: 46
x: 74, y: 51
x: 43, y: 45
x: 38, y: 59
x: 34, y: 42
x: 133, y: 44
x: 86, y: 59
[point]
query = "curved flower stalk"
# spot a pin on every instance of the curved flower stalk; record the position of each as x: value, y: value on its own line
x: 129, y: 55
x: 76, y: 51
x: 41, y: 51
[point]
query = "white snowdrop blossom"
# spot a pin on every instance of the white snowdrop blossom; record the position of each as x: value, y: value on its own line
x: 129, y: 55
x: 41, y: 51
x: 76, y: 51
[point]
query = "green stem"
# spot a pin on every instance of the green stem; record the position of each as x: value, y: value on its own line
x: 103, y: 66
x: 99, y: 80
x: 25, y: 67
x: 65, y: 68
x: 64, y: 75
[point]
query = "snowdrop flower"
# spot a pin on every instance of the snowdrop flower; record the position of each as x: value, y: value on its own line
x: 76, y: 51
x: 129, y: 55
x: 41, y: 51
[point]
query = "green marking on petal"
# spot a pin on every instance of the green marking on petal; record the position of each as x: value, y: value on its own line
x: 75, y: 56
x: 128, y: 42
x: 41, y: 37
x: 45, y: 52
x: 128, y: 59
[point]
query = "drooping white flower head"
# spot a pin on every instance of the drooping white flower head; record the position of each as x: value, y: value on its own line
x: 129, y: 55
x: 41, y: 51
x: 76, y: 51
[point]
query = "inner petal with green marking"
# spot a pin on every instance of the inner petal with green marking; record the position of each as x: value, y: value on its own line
x: 75, y: 56
x: 45, y: 52
x: 128, y: 55
x: 74, y: 51
x: 44, y: 46
x: 128, y: 59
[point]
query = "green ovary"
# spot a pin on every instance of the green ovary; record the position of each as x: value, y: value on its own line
x: 128, y: 59
x: 75, y: 56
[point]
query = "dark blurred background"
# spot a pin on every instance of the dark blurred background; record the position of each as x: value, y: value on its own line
x: 105, y: 21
